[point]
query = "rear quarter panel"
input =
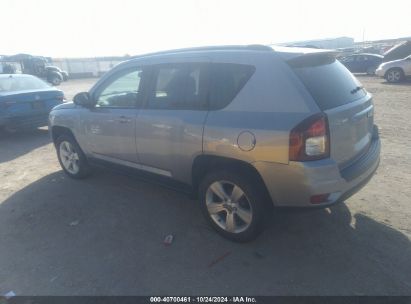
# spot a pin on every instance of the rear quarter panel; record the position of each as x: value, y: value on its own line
x: 269, y: 106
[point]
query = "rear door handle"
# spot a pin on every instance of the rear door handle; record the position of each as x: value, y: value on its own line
x: 124, y: 119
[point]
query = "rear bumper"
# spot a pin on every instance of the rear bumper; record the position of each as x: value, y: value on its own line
x: 293, y: 185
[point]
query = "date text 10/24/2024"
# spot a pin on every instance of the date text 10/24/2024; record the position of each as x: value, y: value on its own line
x: 206, y: 299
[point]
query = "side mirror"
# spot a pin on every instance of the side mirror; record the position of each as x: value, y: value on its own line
x: 84, y: 99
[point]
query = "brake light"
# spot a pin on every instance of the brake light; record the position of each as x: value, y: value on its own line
x: 319, y: 198
x: 310, y: 140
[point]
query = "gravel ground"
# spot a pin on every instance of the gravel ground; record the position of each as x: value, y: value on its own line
x: 104, y: 235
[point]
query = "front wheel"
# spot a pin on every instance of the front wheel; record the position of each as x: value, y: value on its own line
x: 394, y: 75
x: 234, y: 205
x: 71, y: 157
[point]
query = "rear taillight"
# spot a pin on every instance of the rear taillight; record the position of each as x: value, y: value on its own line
x: 310, y: 140
x: 62, y: 98
x: 319, y: 198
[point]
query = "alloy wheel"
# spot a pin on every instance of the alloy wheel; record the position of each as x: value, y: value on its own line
x: 394, y: 76
x: 69, y: 157
x: 228, y: 206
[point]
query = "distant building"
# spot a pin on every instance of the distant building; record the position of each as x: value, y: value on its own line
x: 87, y: 67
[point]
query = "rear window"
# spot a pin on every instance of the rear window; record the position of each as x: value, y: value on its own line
x: 21, y: 83
x: 226, y: 80
x: 328, y: 81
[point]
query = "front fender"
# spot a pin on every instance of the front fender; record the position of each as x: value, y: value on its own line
x: 69, y: 117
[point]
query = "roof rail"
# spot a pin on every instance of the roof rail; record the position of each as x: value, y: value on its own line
x: 251, y: 47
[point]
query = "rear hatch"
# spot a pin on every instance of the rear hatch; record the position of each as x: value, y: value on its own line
x: 349, y: 108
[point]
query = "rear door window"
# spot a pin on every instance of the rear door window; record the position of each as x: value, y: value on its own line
x: 226, y: 80
x: 328, y: 81
x: 180, y: 86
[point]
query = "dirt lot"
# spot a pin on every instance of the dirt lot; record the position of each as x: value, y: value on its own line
x: 104, y: 235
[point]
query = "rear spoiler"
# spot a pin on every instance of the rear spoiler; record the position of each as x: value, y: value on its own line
x: 295, y: 53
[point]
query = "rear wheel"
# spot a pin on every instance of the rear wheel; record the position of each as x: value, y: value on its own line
x: 394, y: 75
x: 54, y: 78
x: 71, y: 157
x: 234, y: 205
x: 371, y: 71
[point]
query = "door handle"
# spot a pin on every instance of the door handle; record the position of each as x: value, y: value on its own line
x: 124, y: 119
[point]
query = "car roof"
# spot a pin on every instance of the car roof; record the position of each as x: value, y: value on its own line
x: 285, y: 52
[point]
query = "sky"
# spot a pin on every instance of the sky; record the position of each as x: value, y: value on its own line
x: 91, y: 28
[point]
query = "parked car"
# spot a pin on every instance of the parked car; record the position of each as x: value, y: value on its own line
x: 396, y: 70
x: 362, y: 63
x: 398, y: 51
x: 244, y: 128
x: 34, y: 65
x: 52, y: 68
x: 26, y: 101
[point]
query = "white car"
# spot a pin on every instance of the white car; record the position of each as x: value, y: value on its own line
x: 396, y: 70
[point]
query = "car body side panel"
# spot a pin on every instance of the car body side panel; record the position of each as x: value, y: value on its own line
x: 111, y: 132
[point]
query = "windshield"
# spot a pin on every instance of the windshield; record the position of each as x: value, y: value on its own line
x: 21, y: 83
x: 328, y: 81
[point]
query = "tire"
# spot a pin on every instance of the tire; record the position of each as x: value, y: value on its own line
x: 246, y: 205
x: 54, y: 78
x: 71, y: 158
x: 55, y: 81
x: 371, y: 71
x: 394, y: 75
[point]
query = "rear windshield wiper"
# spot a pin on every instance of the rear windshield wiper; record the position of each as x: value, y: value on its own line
x: 356, y: 89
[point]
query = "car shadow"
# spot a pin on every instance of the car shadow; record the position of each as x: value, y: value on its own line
x: 16, y: 144
x: 104, y: 236
x: 405, y: 82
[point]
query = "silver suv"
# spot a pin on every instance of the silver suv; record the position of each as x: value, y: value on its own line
x: 244, y: 127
